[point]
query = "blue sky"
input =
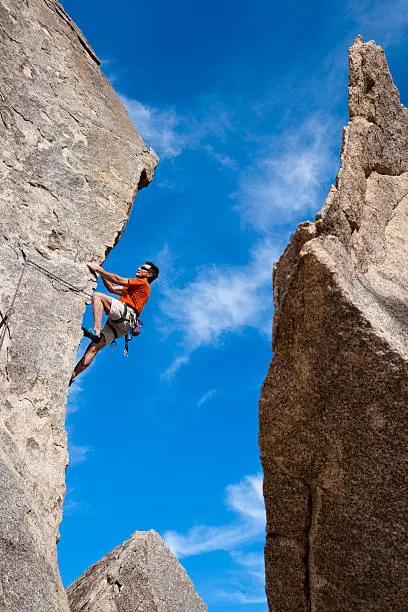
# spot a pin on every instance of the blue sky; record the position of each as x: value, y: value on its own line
x: 244, y: 103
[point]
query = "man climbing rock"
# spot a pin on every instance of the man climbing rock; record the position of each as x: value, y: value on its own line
x: 122, y: 313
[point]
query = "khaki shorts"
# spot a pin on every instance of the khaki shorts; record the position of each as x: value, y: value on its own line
x: 117, y: 311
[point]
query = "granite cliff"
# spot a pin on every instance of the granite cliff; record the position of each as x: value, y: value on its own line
x: 71, y: 164
x: 140, y: 574
x: 333, y: 407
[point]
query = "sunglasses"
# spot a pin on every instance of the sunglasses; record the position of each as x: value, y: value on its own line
x: 145, y: 269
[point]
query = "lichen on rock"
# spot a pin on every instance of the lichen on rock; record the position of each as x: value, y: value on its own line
x: 333, y: 407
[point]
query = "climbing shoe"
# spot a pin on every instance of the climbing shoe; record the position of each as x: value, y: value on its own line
x: 88, y: 333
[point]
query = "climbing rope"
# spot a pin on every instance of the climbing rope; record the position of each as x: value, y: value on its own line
x: 5, y: 320
x: 57, y: 278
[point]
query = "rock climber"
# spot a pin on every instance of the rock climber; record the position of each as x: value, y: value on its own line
x: 134, y: 293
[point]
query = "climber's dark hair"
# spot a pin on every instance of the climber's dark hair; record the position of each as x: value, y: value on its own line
x: 155, y: 271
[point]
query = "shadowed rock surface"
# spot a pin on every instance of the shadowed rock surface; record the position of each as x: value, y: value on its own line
x: 71, y: 163
x: 334, y: 405
x: 141, y: 574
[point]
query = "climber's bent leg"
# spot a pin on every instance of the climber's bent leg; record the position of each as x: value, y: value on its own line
x: 100, y: 303
x: 88, y: 357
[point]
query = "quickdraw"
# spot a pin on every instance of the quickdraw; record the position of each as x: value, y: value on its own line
x: 136, y: 328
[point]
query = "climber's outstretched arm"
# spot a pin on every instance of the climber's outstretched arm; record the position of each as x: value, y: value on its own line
x: 117, y: 289
x: 109, y: 276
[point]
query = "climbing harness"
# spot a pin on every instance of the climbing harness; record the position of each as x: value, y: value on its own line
x: 135, y: 326
x: 6, y: 319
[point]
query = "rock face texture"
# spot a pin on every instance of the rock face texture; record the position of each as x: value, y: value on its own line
x: 140, y: 574
x: 71, y: 163
x: 334, y: 405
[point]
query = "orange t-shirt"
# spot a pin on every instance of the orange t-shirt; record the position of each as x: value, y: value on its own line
x: 136, y: 293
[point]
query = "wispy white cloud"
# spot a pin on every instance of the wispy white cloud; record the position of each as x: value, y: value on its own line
x: 74, y: 399
x: 202, y: 539
x: 246, y: 584
x: 254, y: 562
x: 72, y: 506
x: 160, y: 128
x: 241, y: 597
x: 73, y: 403
x: 287, y: 179
x: 246, y: 501
x: 223, y: 159
x: 384, y: 20
x: 174, y: 367
x: 170, y: 133
x: 170, y: 185
x: 111, y: 69
x: 222, y: 299
x: 169, y: 264
x: 78, y: 454
x: 206, y: 397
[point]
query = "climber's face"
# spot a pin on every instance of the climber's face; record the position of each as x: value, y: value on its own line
x: 144, y: 271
